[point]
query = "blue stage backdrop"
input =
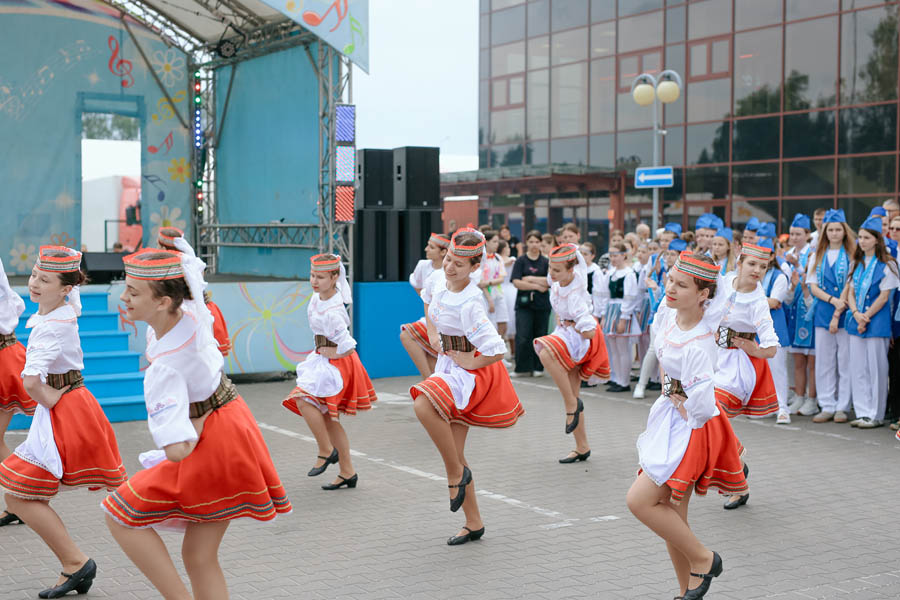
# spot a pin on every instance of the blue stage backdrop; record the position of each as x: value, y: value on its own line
x: 268, y: 156
x: 379, y: 309
x: 63, y: 59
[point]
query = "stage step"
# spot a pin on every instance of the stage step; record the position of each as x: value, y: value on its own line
x: 119, y: 361
x: 90, y: 301
x: 95, y: 341
x: 113, y: 385
x: 90, y: 320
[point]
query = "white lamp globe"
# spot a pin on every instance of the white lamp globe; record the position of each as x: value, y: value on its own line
x: 667, y: 91
x: 643, y: 94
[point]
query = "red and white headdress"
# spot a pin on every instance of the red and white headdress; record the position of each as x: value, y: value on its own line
x: 326, y: 263
x: 693, y: 267
x: 440, y: 240
x: 755, y: 251
x: 140, y: 266
x: 167, y: 236
x: 69, y: 263
x: 563, y: 253
x: 467, y: 251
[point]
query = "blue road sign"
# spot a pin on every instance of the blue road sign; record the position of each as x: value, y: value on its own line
x: 654, y: 177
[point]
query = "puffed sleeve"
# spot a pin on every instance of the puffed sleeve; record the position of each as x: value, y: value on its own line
x: 701, y: 397
x: 811, y: 272
x: 416, y: 278
x: 631, y: 301
x: 765, y: 327
x: 600, y: 293
x: 780, y: 289
x: 336, y: 329
x: 43, y: 348
x: 480, y: 331
x: 166, y: 396
x: 428, y: 287
x: 580, y: 307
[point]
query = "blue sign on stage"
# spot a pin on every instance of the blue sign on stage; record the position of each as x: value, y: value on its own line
x: 654, y: 177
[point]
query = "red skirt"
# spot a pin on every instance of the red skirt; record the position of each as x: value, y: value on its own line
x: 13, y: 396
x: 86, y: 445
x: 763, y: 400
x: 358, y: 393
x: 712, y: 459
x: 418, y: 331
x: 594, y: 363
x: 493, y: 402
x: 228, y: 475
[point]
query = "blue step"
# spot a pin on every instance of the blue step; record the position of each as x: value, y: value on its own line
x: 114, y: 385
x: 94, y: 341
x: 90, y: 301
x: 88, y: 321
x: 103, y: 363
x: 117, y: 410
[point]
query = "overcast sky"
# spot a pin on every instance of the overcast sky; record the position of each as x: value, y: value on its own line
x: 422, y: 86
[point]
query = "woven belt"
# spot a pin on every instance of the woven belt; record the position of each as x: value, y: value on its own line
x: 321, y: 341
x: 224, y: 394
x: 456, y: 342
x: 672, y: 386
x: 727, y: 335
x: 61, y: 380
x: 7, y: 340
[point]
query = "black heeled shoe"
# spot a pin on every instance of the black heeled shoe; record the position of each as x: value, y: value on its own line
x: 460, y: 496
x: 733, y: 504
x: 714, y: 571
x: 10, y: 519
x: 329, y: 460
x: 570, y: 427
x: 80, y: 581
x: 473, y: 536
x: 350, y: 482
x: 578, y: 457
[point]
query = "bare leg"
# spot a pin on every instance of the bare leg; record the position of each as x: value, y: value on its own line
x: 200, y: 551
x: 441, y: 434
x: 432, y: 361
x: 149, y: 554
x: 680, y: 562
x: 561, y: 379
x: 470, y: 506
x: 811, y: 369
x: 316, y: 422
x: 342, y: 443
x: 650, y: 504
x: 5, y: 417
x: 46, y: 523
x: 800, y: 374
x: 580, y: 433
x: 501, y: 329
x: 417, y: 354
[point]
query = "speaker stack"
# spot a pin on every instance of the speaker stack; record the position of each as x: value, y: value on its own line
x: 398, y: 193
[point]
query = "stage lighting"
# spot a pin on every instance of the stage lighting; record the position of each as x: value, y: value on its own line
x: 344, y: 203
x: 345, y: 123
x: 345, y: 164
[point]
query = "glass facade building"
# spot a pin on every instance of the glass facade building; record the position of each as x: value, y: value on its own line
x: 787, y: 105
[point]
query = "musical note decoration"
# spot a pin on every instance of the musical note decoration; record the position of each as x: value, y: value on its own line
x: 166, y: 111
x: 314, y: 19
x: 155, y: 181
x: 355, y: 28
x: 121, y: 67
x: 166, y: 143
x: 17, y: 102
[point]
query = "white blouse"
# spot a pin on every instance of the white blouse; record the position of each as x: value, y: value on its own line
x: 461, y: 313
x: 572, y: 303
x: 53, y: 344
x: 745, y: 312
x: 424, y: 269
x: 182, y: 370
x: 631, y: 301
x: 330, y: 318
x: 11, y: 305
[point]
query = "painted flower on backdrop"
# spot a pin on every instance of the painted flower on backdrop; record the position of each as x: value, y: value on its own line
x: 168, y: 65
x: 179, y: 170
x: 166, y: 218
x: 23, y: 257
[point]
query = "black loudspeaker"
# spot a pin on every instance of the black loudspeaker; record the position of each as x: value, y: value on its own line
x: 417, y: 226
x: 104, y: 267
x: 417, y: 180
x: 374, y: 188
x: 376, y: 248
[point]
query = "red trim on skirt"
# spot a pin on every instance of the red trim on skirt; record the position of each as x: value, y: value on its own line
x: 13, y: 396
x: 493, y: 402
x: 86, y: 445
x: 228, y: 475
x: 763, y: 400
x: 594, y: 363
x: 418, y: 331
x: 358, y: 393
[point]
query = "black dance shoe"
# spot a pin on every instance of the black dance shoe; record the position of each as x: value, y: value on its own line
x: 733, y: 504
x: 80, y: 581
x: 570, y: 427
x: 570, y: 459
x: 350, y: 482
x: 10, y: 519
x: 714, y: 571
x: 653, y: 386
x: 460, y: 497
x: 456, y: 540
x: 329, y: 460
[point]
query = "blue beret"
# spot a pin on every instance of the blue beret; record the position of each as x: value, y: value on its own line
x: 678, y: 244
x: 766, y: 230
x: 752, y: 225
x: 873, y: 223
x: 674, y: 228
x: 725, y: 232
x: 878, y: 211
x: 800, y: 220
x: 835, y: 215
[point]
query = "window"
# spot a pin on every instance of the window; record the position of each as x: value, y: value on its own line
x: 709, y: 59
x: 484, y: 100
x: 572, y: 151
x: 641, y: 31
x: 507, y: 125
x: 675, y: 24
x: 868, y: 38
x: 857, y: 209
x: 508, y: 59
x: 603, y: 39
x: 602, y: 151
x: 568, y: 102
x: 539, y: 52
x: 757, y: 72
x: 674, y: 112
x: 566, y: 14
x: 710, y: 99
x: 754, y: 181
x: 508, y: 25
x: 509, y: 155
x: 630, y: 115
x: 809, y: 178
x: 867, y: 174
x: 706, y: 183
x: 537, y: 153
x: 603, y: 95
x: 632, y: 65
x: 634, y: 149
x: 868, y: 129
x: 809, y: 134
x: 673, y: 146
x: 569, y: 46
x: 801, y: 9
x: 632, y: 7
x: 755, y: 13
x: 603, y: 10
x: 755, y: 139
x: 499, y: 4
x: 707, y: 143
x: 538, y: 17
x: 508, y: 92
x: 538, y: 107
x: 810, y: 64
x: 711, y: 17
x: 484, y: 31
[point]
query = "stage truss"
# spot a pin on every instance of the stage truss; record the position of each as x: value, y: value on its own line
x: 254, y: 34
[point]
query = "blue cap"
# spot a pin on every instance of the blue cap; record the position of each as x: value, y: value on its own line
x: 873, y: 223
x: 800, y: 220
x: 767, y: 243
x: 674, y: 228
x: 678, y: 244
x: 834, y: 215
x: 725, y: 232
x: 716, y: 223
x: 706, y: 221
x: 878, y: 211
x: 766, y: 230
x: 752, y: 225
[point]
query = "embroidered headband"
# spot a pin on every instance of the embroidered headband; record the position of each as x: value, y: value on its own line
x: 324, y: 263
x: 140, y: 266
x: 760, y: 252
x: 696, y: 268
x: 440, y: 240
x: 563, y: 253
x: 166, y: 237
x: 69, y: 263
x: 461, y: 251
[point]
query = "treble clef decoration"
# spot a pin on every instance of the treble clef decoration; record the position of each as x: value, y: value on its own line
x: 121, y: 67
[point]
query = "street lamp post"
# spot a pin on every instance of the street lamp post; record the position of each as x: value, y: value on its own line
x: 646, y: 89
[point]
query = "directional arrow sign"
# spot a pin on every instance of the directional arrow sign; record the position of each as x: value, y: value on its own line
x: 654, y: 177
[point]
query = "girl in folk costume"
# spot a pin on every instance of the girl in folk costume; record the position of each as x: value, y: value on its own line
x: 688, y: 444
x: 778, y: 291
x: 827, y: 275
x: 509, y: 294
x: 13, y: 397
x: 331, y: 380
x: 212, y: 465
x: 492, y: 275
x: 589, y: 252
x: 743, y: 379
x: 575, y: 351
x: 470, y: 386
x: 616, y: 300
x: 414, y: 336
x: 873, y: 277
x: 70, y: 441
x: 656, y: 285
x: 721, y: 250
x: 800, y: 319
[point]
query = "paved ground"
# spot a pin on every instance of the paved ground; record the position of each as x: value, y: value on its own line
x: 814, y: 527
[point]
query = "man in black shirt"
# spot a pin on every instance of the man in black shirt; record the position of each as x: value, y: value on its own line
x: 529, y: 275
